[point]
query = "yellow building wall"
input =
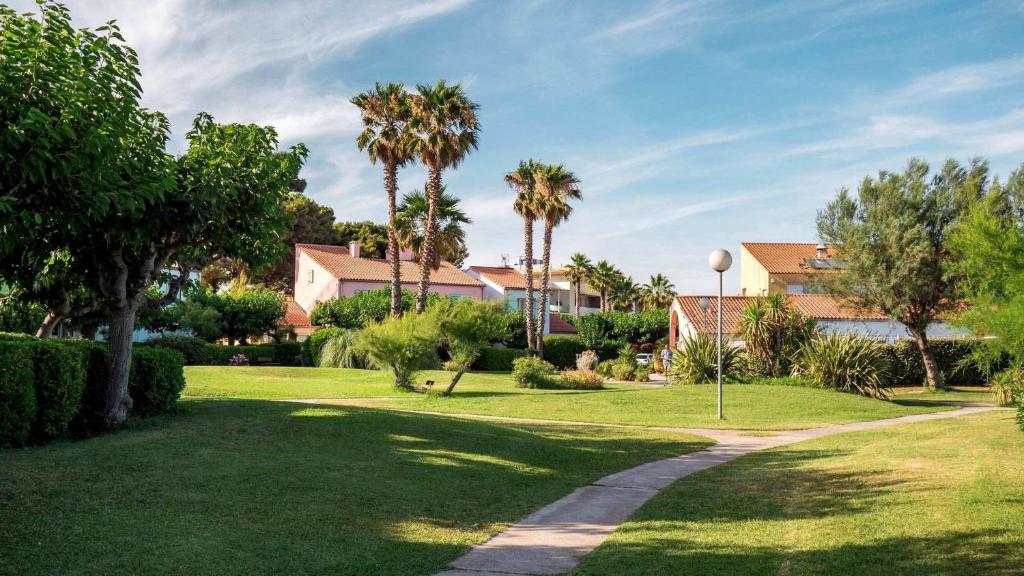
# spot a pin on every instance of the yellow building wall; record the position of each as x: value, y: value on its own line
x: 754, y: 279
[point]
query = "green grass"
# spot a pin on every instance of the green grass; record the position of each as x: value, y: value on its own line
x: 943, y: 497
x: 962, y: 394
x: 247, y: 487
x: 748, y: 406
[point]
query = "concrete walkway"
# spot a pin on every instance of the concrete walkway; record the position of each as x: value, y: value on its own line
x: 554, y: 538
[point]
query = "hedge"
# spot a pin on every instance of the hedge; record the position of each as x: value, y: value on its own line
x: 156, y: 380
x: 198, y: 352
x: 59, y: 380
x: 562, y: 350
x: 17, y: 398
x: 632, y: 327
x: 498, y: 359
x: 907, y: 368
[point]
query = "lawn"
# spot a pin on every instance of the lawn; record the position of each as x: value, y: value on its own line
x: 943, y: 497
x: 748, y: 406
x: 247, y: 487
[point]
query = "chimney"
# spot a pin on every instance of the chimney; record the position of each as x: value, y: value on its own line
x: 821, y: 251
x: 354, y: 249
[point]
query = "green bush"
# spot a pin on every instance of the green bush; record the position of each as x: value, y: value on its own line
x: 339, y: 351
x: 954, y: 357
x: 642, y: 373
x: 1006, y: 386
x: 604, y: 368
x: 632, y: 327
x: 581, y: 380
x: 59, y: 381
x: 286, y: 353
x: 845, y: 362
x: 498, y: 359
x: 697, y: 361
x: 622, y: 371
x: 531, y: 372
x: 20, y: 317
x: 562, y: 350
x: 198, y: 352
x: 89, y: 418
x: 359, y: 310
x: 312, y: 345
x: 17, y: 397
x: 156, y: 380
x: 403, y: 345
x: 16, y: 337
x: 195, y: 351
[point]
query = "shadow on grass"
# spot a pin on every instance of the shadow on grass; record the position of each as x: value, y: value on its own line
x: 245, y: 486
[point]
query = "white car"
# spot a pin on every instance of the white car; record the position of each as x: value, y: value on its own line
x: 644, y: 359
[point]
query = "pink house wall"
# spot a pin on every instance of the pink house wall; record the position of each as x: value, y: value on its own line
x: 351, y: 287
x: 324, y: 285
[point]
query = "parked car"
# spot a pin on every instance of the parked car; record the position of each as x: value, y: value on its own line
x: 644, y: 359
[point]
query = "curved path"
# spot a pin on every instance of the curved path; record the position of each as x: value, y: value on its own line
x: 554, y: 538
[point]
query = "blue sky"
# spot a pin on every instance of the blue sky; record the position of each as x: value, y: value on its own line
x: 692, y: 125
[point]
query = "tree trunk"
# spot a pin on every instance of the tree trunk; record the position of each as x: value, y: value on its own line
x: 428, y: 249
x: 391, y: 186
x: 451, y: 385
x: 931, y: 367
x: 576, y: 293
x: 49, y: 323
x: 119, y: 360
x: 528, y: 256
x: 545, y: 282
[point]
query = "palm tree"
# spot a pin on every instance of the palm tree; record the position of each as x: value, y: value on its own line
x: 623, y: 294
x: 412, y: 225
x: 445, y: 121
x: 387, y: 138
x: 521, y: 180
x: 658, y: 293
x: 602, y: 279
x: 555, y: 187
x: 577, y: 271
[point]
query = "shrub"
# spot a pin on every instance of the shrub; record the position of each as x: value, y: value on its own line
x: 1007, y: 385
x: 465, y: 328
x: 587, y: 360
x: 531, y: 372
x: 498, y: 359
x: 632, y: 327
x: 59, y: 380
x: 195, y: 351
x: 845, y: 362
x: 604, y: 368
x: 581, y: 380
x: 340, y: 351
x: 627, y: 356
x: 404, y: 345
x: 17, y: 397
x: 312, y: 346
x: 956, y: 360
x: 697, y: 361
x: 286, y: 353
x: 156, y: 380
x: 773, y: 332
x: 622, y: 371
x: 642, y: 373
x: 562, y: 350
x: 360, y: 310
x: 19, y: 316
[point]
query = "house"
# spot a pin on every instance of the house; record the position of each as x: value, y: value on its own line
x: 324, y: 272
x: 562, y: 299
x: 787, y: 268
x: 509, y: 285
x: 783, y: 267
x: 296, y: 320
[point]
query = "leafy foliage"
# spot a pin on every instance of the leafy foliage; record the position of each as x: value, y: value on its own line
x: 635, y: 328
x: 466, y: 327
x: 561, y: 351
x: 157, y: 379
x: 372, y: 237
x: 697, y: 361
x: 17, y: 315
x: 846, y: 362
x: 362, y: 309
x: 581, y: 380
x: 773, y: 332
x: 312, y: 346
x: 532, y: 372
x: 59, y: 380
x: 404, y: 345
x: 236, y: 316
x: 450, y: 220
x: 307, y: 223
x: 17, y: 398
x: 498, y: 359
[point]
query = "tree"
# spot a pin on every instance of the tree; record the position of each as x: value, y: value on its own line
x: 307, y: 223
x: 387, y: 138
x: 372, y: 237
x: 466, y: 327
x: 555, y: 187
x: 577, y: 271
x: 773, y: 332
x: 892, y: 240
x: 658, y: 293
x: 411, y: 226
x: 603, y: 278
x: 624, y: 293
x: 445, y: 121
x: 404, y: 345
x: 523, y: 183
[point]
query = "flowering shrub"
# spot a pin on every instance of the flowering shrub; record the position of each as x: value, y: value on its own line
x: 238, y: 360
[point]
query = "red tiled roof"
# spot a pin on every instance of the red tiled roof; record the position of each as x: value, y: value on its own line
x: 783, y: 257
x: 294, y: 315
x: 817, y: 306
x: 337, y: 261
x: 504, y: 276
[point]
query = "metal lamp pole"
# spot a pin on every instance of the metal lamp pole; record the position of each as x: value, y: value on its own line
x: 720, y: 261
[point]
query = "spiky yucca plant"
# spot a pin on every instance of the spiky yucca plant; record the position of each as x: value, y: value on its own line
x: 697, y: 361
x: 845, y: 362
x: 774, y: 332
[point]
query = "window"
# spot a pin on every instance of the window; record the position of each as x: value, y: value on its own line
x: 794, y: 288
x: 311, y: 276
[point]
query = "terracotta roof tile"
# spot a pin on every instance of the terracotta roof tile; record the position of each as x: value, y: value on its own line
x: 504, y: 276
x: 294, y: 315
x: 337, y: 261
x: 783, y: 257
x: 817, y: 306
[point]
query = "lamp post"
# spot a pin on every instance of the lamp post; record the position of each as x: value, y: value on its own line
x: 720, y: 261
x: 704, y: 304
